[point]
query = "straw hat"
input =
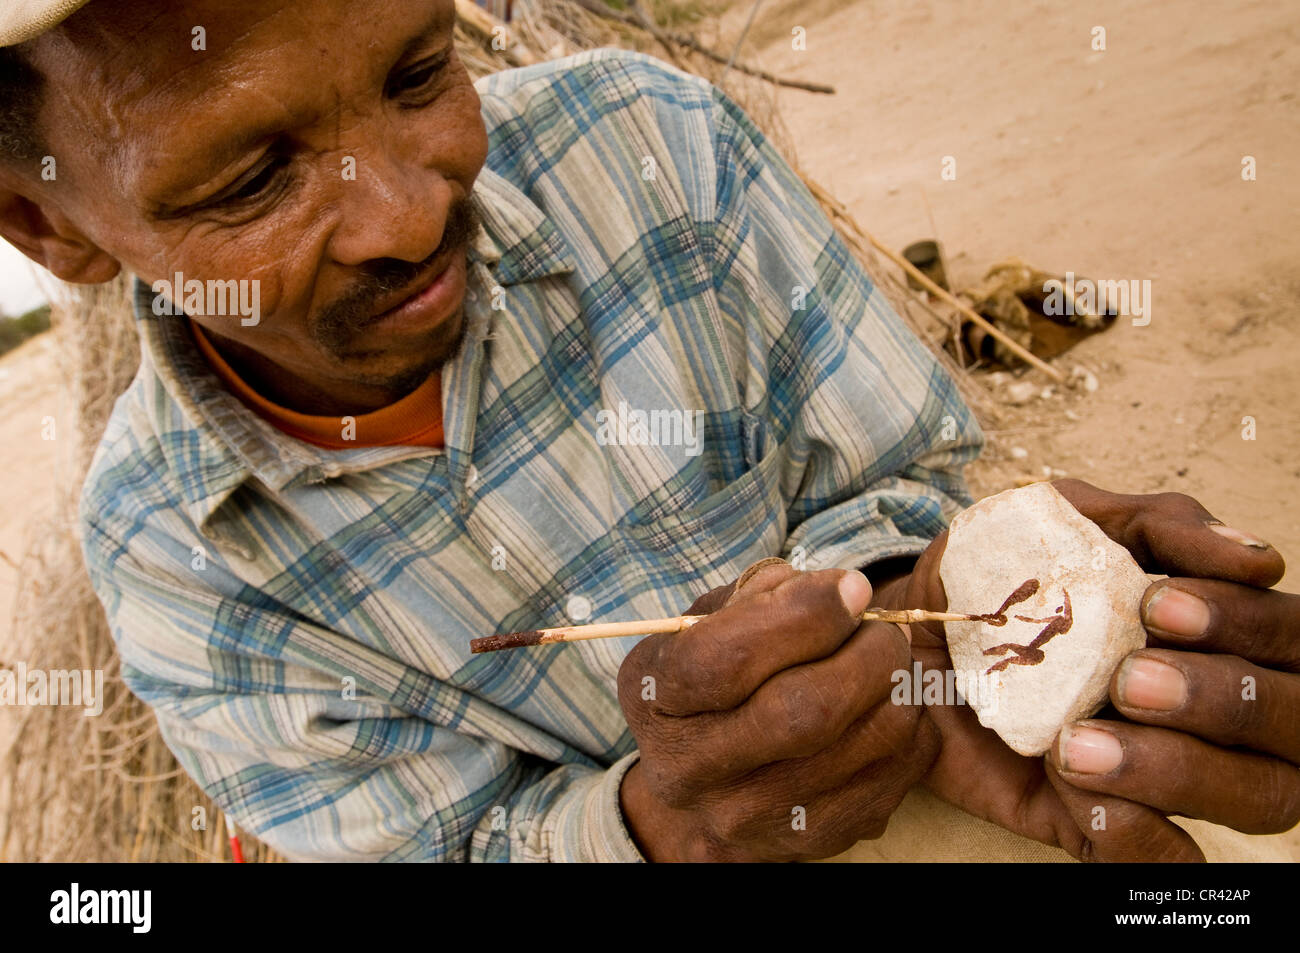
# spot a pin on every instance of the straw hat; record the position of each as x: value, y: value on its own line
x: 21, y: 20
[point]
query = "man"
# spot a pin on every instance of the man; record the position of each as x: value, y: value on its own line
x: 572, y: 345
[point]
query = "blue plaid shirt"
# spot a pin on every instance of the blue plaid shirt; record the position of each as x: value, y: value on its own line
x: 300, y: 618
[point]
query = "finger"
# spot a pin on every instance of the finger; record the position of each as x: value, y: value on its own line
x: 799, y: 713
x: 770, y: 570
x: 1007, y: 789
x: 1219, y: 698
x: 1210, y: 615
x: 815, y: 723
x: 723, y: 659
x: 711, y: 601
x: 762, y: 576
x: 1172, y: 533
x: 926, y: 592
x: 833, y: 820
x: 883, y: 732
x: 860, y: 808
x: 839, y: 707
x: 1114, y: 830
x: 1176, y: 773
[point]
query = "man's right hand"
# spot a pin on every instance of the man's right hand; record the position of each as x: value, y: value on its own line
x: 766, y: 731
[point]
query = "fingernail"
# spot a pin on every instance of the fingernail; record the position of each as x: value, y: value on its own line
x: 1237, y: 536
x: 855, y: 592
x: 1089, y: 751
x: 756, y: 568
x: 1146, y: 683
x: 1177, y: 612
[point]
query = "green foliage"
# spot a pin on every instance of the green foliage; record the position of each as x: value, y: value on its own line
x: 14, y: 331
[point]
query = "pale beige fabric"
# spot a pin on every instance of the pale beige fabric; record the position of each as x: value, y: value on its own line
x: 20, y: 20
x: 924, y: 828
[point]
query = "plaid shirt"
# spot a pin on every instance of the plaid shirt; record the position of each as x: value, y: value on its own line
x: 300, y: 618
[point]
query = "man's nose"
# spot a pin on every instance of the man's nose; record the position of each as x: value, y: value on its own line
x: 392, y: 209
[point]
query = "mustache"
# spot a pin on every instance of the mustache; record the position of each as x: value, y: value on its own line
x: 342, y: 321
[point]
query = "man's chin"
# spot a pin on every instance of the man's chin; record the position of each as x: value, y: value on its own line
x: 406, y: 361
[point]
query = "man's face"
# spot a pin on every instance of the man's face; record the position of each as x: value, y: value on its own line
x: 323, y: 148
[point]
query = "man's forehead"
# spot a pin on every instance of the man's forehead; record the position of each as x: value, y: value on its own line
x: 132, y: 61
x: 111, y: 37
x: 138, y: 56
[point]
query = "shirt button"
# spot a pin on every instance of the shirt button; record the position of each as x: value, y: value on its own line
x: 471, y: 475
x: 578, y: 608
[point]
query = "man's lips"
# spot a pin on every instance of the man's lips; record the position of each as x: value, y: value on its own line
x: 421, y: 283
x: 431, y: 299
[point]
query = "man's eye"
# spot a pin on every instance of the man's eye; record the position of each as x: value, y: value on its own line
x: 415, y: 80
x: 255, y: 187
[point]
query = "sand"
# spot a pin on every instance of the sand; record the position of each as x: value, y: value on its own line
x: 1122, y: 164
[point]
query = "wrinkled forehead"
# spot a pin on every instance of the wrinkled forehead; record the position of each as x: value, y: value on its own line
x: 136, y: 46
x: 119, y: 66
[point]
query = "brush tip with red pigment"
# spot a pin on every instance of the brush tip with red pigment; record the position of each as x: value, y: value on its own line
x: 507, y: 640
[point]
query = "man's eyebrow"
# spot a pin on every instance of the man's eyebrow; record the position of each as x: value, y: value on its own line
x: 436, y: 25
x: 238, y: 142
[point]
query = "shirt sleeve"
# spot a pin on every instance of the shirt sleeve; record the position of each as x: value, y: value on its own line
x: 323, y: 767
x: 872, y: 432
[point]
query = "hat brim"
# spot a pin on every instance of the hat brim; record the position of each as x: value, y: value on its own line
x: 21, y: 20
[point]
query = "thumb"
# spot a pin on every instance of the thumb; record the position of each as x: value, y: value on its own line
x: 715, y: 599
x: 766, y: 574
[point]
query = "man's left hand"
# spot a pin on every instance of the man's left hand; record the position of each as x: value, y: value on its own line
x: 1210, y: 709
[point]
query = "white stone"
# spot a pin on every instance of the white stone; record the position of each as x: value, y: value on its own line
x: 996, y: 547
x: 1021, y: 392
x: 1082, y: 377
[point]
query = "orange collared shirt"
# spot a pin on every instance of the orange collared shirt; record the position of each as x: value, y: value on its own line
x: 415, y: 420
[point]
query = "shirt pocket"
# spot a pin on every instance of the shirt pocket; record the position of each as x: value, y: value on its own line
x: 707, y: 542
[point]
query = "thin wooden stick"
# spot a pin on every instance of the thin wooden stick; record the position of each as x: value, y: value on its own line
x: 904, y: 616
x: 735, y: 50
x: 842, y: 212
x: 673, y: 624
x: 639, y: 19
x: 688, y: 41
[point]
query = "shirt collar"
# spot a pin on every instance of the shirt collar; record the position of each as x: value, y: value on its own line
x: 529, y: 245
x: 212, y: 443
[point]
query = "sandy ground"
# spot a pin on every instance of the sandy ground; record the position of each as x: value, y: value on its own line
x: 1122, y: 164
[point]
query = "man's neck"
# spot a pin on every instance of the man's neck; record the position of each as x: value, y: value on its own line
x: 291, y: 392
